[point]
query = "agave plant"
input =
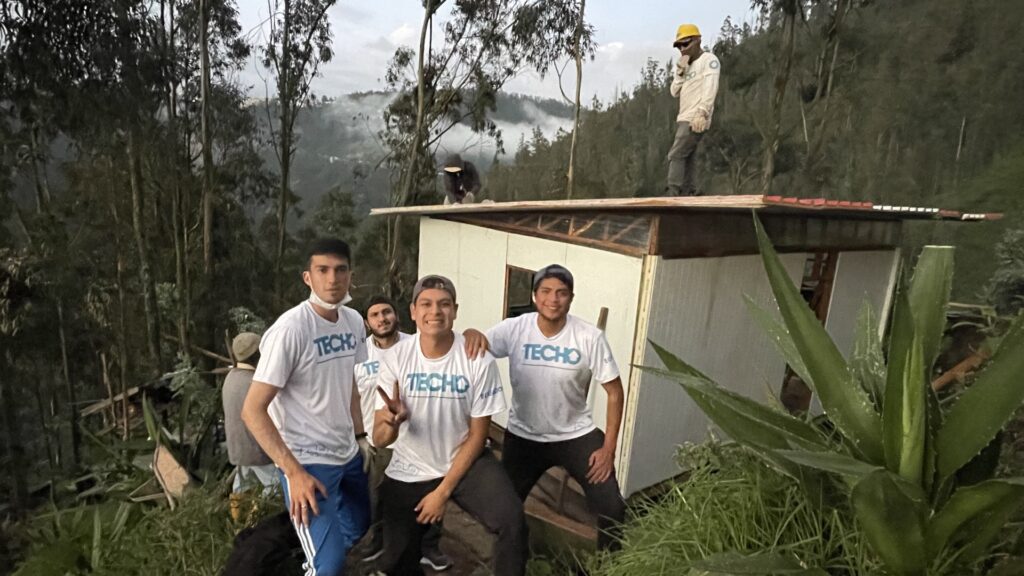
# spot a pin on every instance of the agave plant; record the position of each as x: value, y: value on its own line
x: 895, y: 452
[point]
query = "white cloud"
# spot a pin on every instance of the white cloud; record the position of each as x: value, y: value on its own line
x: 404, y: 35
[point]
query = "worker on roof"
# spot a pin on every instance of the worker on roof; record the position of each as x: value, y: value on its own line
x: 695, y: 83
x: 461, y: 181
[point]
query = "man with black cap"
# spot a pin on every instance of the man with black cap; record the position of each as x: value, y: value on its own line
x: 382, y: 322
x: 553, y: 358
x: 461, y: 181
x: 435, y: 409
x: 695, y: 84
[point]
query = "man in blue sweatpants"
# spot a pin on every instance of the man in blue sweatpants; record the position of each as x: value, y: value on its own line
x: 304, y: 411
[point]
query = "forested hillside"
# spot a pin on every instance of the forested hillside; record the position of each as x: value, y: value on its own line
x: 150, y: 204
x: 912, y: 102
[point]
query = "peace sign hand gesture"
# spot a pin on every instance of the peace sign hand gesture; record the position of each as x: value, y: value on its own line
x: 396, y: 408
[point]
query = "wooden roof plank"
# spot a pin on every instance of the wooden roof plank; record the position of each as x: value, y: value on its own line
x: 773, y: 203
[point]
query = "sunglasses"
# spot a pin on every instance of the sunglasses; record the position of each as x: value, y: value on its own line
x: 684, y: 43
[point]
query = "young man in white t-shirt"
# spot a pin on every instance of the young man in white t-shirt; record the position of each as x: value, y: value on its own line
x: 382, y: 322
x: 553, y: 358
x: 435, y: 408
x: 695, y: 84
x: 303, y: 409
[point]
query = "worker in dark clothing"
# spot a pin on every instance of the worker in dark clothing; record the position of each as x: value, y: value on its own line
x: 461, y: 181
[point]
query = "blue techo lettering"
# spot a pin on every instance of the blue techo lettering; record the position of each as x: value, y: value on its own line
x: 335, y: 343
x: 372, y: 367
x: 434, y: 382
x: 551, y: 353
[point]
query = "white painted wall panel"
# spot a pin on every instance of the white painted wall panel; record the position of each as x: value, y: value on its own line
x: 860, y: 277
x: 612, y: 281
x: 698, y: 312
x: 475, y: 258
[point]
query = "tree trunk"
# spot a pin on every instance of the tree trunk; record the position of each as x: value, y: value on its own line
x: 178, y: 213
x: 145, y: 274
x: 284, y: 100
x: 44, y: 426
x: 570, y: 177
x: 13, y: 445
x: 204, y: 90
x: 76, y: 434
x: 408, y: 175
x: 122, y: 321
x: 781, y: 83
x: 43, y: 196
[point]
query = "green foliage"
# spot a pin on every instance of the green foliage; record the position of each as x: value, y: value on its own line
x: 1005, y: 290
x: 244, y: 320
x: 731, y: 502
x: 119, y: 538
x: 906, y: 497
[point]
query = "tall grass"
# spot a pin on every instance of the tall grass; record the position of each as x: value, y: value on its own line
x: 733, y: 502
x: 193, y: 539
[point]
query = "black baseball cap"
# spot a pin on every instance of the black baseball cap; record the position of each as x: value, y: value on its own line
x: 553, y: 271
x: 433, y: 281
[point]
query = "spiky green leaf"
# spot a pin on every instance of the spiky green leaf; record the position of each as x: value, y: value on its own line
x: 779, y: 336
x: 982, y: 410
x: 831, y: 462
x: 929, y: 296
x: 845, y: 403
x: 743, y: 419
x: 962, y: 518
x: 867, y: 363
x: 892, y: 513
x: 904, y: 410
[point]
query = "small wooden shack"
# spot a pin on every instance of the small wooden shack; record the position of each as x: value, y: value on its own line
x: 674, y: 271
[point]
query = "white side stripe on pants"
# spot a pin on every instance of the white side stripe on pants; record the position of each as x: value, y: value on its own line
x: 305, y: 539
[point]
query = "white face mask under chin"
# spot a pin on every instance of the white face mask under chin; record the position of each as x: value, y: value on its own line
x: 320, y: 302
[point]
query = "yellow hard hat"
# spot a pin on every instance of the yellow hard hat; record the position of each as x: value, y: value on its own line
x: 685, y: 31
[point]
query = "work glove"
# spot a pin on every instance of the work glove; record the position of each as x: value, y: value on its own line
x: 682, y: 64
x: 366, y: 451
x: 700, y: 123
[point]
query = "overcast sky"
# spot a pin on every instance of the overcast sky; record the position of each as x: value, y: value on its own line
x: 367, y: 32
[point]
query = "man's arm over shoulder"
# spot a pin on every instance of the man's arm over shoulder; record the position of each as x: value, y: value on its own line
x: 500, y: 337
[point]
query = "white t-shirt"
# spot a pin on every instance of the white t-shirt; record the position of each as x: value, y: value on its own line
x: 312, y: 360
x: 550, y: 377
x: 366, y: 380
x: 441, y: 396
x: 697, y: 88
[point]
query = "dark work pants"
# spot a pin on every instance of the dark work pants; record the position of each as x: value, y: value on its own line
x: 682, y: 162
x: 379, y: 460
x: 526, y: 460
x: 485, y: 493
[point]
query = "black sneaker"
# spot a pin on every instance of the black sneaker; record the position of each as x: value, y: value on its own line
x: 436, y: 560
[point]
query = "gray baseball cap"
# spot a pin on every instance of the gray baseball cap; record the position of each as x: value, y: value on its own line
x: 553, y: 271
x: 433, y: 281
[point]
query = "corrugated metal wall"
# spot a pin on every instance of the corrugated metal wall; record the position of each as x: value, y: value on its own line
x: 860, y: 277
x: 698, y: 312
